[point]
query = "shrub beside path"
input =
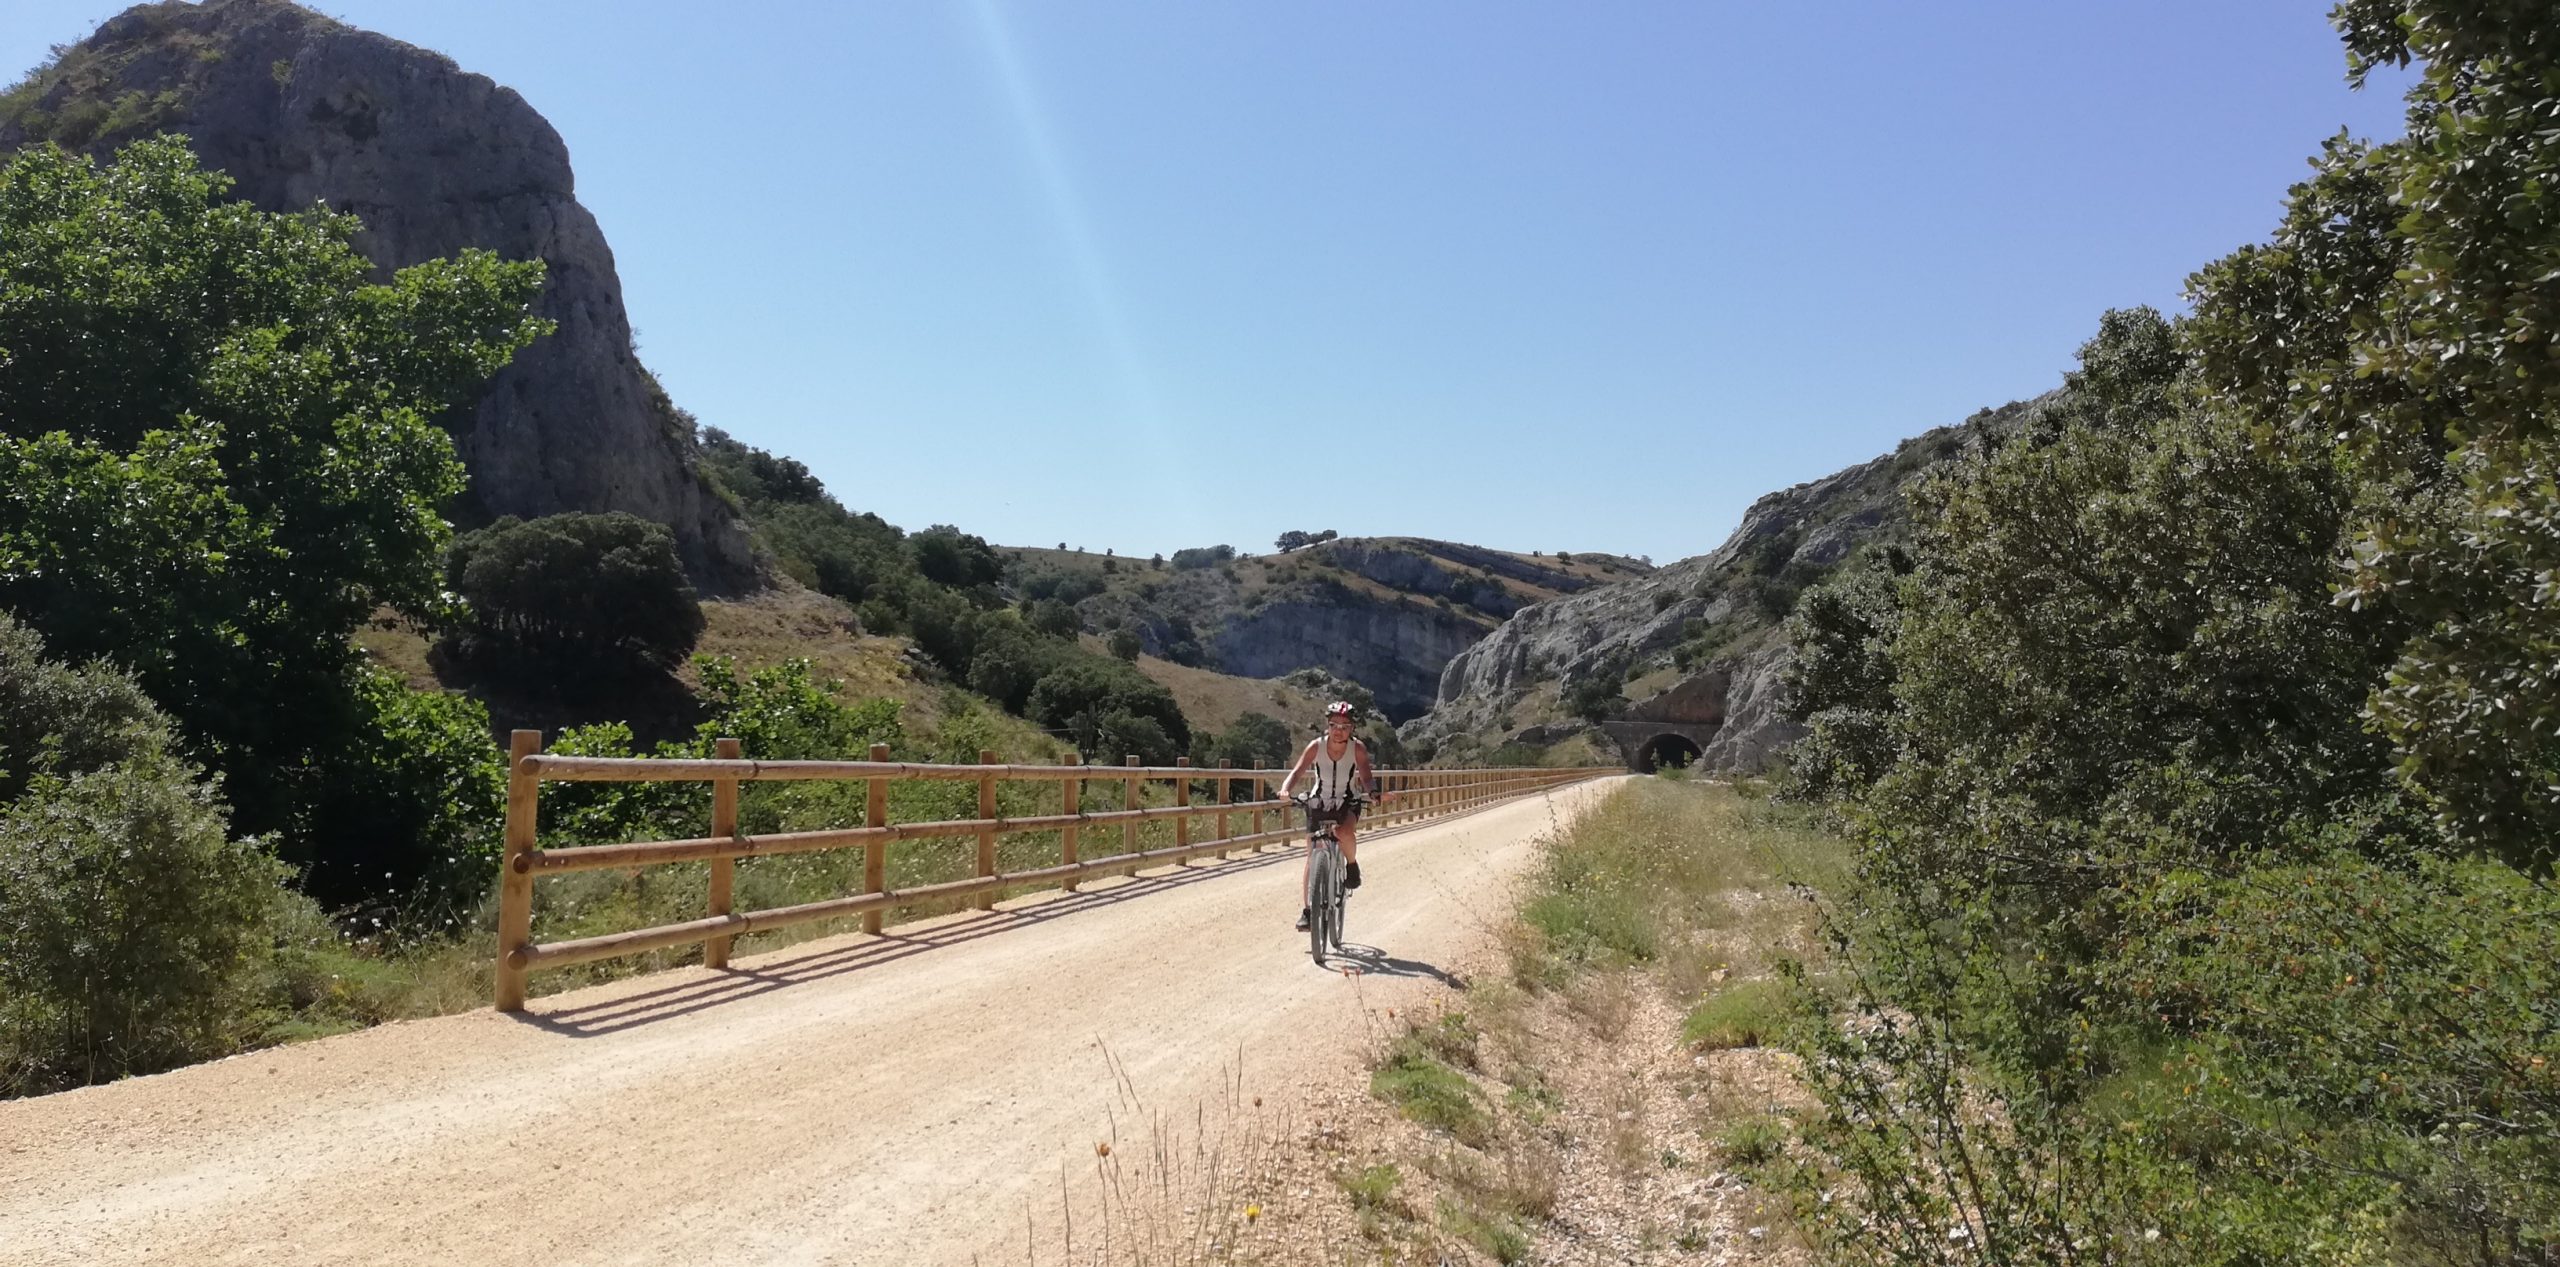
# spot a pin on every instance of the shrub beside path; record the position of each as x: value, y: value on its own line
x: 928, y: 1097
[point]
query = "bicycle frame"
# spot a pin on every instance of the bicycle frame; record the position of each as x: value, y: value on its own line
x: 1324, y: 891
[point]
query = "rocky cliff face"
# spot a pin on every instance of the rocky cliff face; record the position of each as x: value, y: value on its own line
x: 1384, y: 612
x: 1393, y: 648
x: 1731, y: 599
x: 1469, y: 576
x: 300, y: 109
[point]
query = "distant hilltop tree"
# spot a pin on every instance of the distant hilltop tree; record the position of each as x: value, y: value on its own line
x: 1201, y: 557
x: 1294, y: 540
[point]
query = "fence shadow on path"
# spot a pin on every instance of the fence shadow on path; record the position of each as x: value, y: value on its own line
x: 721, y: 986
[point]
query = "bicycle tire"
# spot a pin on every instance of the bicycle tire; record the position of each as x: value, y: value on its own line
x: 1318, y: 906
x: 1314, y: 922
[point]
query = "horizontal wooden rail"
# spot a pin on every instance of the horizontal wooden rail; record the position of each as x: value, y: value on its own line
x: 703, y: 770
x: 1414, y: 795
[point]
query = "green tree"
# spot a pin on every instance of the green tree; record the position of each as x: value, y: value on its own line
x: 412, y: 805
x: 1126, y: 734
x: 1256, y: 741
x: 1124, y: 643
x: 1596, y: 695
x: 947, y: 556
x: 1078, y: 695
x: 584, y: 600
x: 1840, y: 679
x: 813, y: 539
x: 1011, y: 660
x: 133, y: 927
x: 2137, y: 872
x: 2430, y: 351
x: 219, y: 448
x: 1054, y: 618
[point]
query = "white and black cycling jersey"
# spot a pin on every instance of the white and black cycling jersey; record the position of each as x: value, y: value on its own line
x: 1337, y: 778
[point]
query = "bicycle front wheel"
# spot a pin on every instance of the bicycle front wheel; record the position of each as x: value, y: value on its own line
x: 1323, y: 903
x: 1317, y: 917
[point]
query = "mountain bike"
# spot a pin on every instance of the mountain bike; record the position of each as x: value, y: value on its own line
x: 1324, y: 887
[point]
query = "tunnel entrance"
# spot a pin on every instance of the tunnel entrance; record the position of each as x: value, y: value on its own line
x: 1667, y: 750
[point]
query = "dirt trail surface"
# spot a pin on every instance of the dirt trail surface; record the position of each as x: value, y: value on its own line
x: 918, y: 1098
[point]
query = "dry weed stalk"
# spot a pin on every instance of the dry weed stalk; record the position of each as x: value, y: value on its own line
x: 1169, y: 1193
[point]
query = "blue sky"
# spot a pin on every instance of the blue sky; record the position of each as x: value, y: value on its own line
x: 1537, y: 276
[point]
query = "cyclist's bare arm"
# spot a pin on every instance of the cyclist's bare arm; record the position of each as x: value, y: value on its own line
x: 1367, y: 773
x: 1290, y: 780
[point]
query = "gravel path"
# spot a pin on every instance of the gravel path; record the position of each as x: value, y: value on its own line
x: 917, y: 1098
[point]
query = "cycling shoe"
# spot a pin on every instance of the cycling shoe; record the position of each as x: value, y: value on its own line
x: 1351, y: 876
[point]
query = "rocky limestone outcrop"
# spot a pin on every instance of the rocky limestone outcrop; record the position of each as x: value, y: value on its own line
x: 1756, y: 724
x: 1795, y: 533
x: 301, y: 109
x: 1393, y: 648
x: 1413, y: 568
x: 1385, y: 612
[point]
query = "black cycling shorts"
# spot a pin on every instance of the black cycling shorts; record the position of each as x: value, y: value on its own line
x: 1348, y: 811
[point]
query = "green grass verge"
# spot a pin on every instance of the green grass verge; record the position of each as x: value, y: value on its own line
x: 1742, y: 1014
x: 1499, y: 1237
x: 1429, y: 1091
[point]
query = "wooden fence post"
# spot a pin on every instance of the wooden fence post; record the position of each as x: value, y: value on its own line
x: 515, y: 874
x: 875, y: 853
x: 1129, y: 800
x: 986, y: 835
x: 724, y: 826
x: 1071, y: 800
x: 1221, y: 795
x: 1182, y: 798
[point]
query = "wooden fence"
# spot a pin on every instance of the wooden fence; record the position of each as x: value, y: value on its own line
x: 1417, y: 794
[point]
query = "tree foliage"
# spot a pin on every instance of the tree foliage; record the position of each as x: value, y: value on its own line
x: 220, y: 448
x: 132, y: 924
x: 1081, y: 697
x: 2205, y: 758
x: 1597, y: 695
x: 1296, y: 539
x: 1256, y: 741
x: 580, y: 599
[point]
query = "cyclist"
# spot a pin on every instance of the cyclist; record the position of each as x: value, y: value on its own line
x: 1343, y: 782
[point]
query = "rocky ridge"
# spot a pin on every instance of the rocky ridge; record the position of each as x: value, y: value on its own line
x: 1732, y: 598
x: 301, y: 109
x: 1385, y: 612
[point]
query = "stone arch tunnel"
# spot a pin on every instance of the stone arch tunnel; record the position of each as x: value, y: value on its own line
x: 1648, y: 746
x: 1674, y: 727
